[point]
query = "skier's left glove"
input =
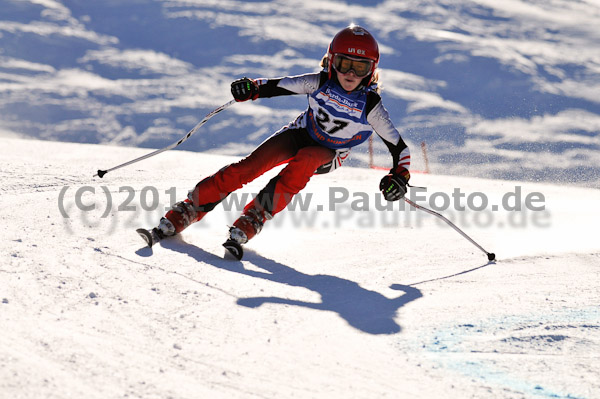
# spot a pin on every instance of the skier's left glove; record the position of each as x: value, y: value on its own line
x: 244, y: 89
x: 393, y: 185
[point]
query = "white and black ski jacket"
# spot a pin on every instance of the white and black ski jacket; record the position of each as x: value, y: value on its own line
x: 338, y: 119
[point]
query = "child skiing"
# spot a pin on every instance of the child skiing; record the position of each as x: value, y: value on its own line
x: 344, y: 108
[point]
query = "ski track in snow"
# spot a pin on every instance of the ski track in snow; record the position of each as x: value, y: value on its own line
x: 342, y: 307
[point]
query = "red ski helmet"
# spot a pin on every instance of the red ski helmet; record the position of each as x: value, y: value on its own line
x: 354, y: 41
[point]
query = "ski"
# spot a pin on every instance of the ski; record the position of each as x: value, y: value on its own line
x: 151, y: 237
x: 234, y: 249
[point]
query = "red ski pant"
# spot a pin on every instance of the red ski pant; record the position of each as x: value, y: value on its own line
x: 292, y: 146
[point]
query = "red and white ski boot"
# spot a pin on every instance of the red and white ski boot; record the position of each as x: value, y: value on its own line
x: 245, y: 228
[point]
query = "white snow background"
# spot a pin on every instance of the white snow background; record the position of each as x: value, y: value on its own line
x: 340, y: 303
x: 352, y: 302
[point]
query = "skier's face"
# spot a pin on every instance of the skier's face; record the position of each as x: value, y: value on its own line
x: 349, y: 81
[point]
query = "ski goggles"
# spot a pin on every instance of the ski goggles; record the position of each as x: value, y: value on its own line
x: 344, y: 64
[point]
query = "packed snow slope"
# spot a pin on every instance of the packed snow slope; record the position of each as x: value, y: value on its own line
x: 504, y: 89
x: 337, y: 299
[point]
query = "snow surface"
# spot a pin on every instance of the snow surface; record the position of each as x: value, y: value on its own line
x: 355, y: 304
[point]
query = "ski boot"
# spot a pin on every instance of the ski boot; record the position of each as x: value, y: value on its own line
x: 181, y: 215
x: 247, y: 226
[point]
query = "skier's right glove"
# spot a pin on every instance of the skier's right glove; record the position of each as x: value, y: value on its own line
x: 393, y: 185
x: 244, y: 89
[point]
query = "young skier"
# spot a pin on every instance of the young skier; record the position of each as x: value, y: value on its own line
x: 344, y: 108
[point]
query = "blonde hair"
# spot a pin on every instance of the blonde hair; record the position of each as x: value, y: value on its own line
x: 324, y: 62
x: 374, y: 79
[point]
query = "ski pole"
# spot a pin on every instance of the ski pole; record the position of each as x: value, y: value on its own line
x: 101, y: 172
x: 491, y: 256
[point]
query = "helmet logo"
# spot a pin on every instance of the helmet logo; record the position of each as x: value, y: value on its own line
x: 356, y: 51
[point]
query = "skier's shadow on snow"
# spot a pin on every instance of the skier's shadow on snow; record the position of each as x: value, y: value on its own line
x: 363, y: 309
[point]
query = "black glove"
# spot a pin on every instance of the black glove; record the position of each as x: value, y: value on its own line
x: 244, y: 89
x: 393, y: 185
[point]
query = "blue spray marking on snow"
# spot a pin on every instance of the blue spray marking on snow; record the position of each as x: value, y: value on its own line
x: 450, y: 346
